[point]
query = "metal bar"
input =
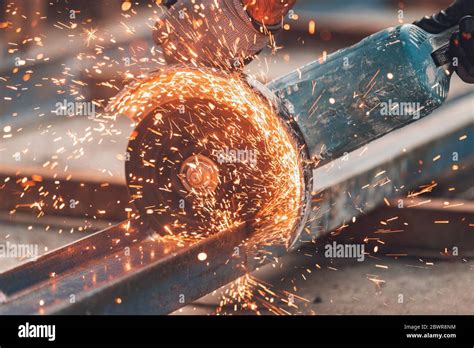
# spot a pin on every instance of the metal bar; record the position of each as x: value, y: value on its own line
x: 62, y: 260
x: 147, y: 277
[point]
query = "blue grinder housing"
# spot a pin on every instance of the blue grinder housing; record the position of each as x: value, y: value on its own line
x: 362, y: 92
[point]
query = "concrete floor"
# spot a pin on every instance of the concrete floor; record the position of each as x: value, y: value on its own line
x: 350, y: 287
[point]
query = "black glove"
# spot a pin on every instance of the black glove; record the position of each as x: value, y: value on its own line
x: 461, y: 50
x: 448, y: 18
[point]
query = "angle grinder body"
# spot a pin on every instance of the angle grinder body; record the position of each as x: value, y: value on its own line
x: 187, y: 118
x: 389, y: 79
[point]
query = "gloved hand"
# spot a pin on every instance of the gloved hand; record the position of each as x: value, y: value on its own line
x: 461, y: 50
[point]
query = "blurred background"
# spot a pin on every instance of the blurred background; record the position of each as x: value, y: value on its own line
x: 85, y: 52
